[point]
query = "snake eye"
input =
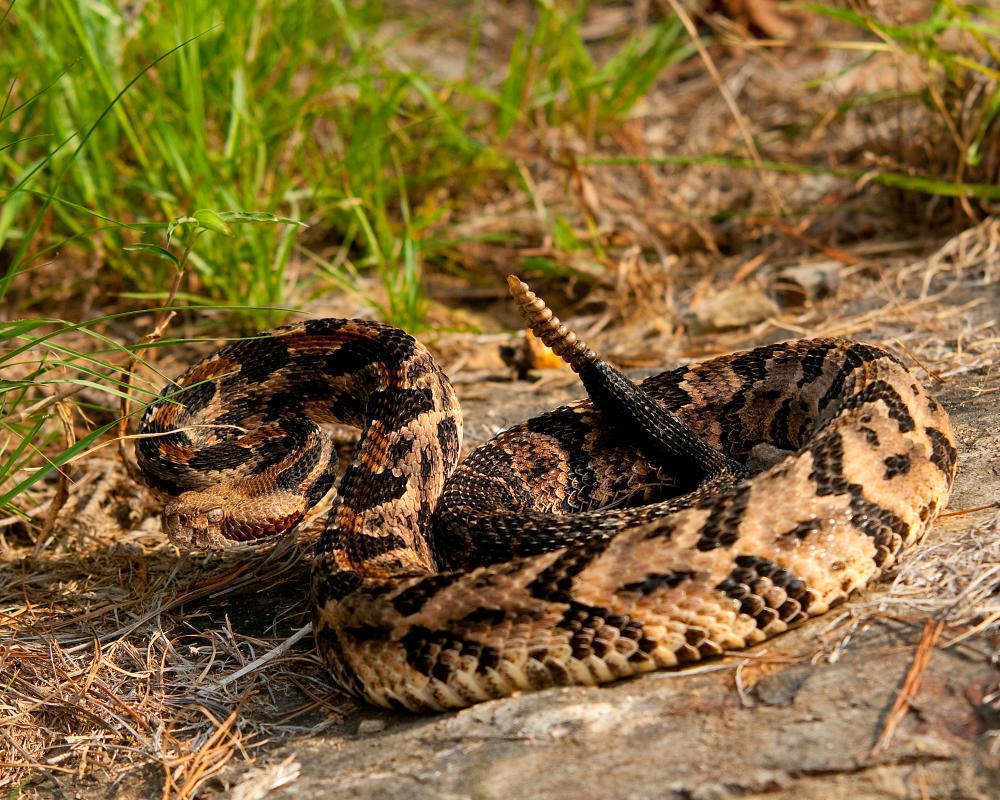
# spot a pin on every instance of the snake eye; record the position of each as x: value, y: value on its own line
x: 215, y: 514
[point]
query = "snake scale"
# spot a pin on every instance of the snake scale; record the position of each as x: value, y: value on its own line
x: 607, y: 538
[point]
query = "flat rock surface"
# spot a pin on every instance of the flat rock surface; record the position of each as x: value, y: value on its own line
x: 799, y: 730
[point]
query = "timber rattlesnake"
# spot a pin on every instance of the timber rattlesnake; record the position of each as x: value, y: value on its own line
x: 437, y: 587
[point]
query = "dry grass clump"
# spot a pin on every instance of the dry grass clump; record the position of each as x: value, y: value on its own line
x: 119, y: 653
x: 955, y: 580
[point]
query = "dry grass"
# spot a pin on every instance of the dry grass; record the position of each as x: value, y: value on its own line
x: 121, y: 653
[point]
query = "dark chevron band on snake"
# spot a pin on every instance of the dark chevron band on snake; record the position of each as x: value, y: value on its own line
x: 597, y: 541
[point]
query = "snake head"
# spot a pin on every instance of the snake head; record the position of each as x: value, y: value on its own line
x: 213, y: 521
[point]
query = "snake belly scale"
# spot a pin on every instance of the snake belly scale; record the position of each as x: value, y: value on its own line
x: 568, y: 549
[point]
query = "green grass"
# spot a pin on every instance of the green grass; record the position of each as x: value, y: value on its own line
x: 941, y: 187
x: 289, y: 107
x: 121, y: 136
x: 219, y: 123
x: 941, y: 44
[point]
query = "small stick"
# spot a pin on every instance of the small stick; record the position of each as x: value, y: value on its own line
x: 270, y: 655
x: 937, y: 378
x: 799, y: 233
x: 911, y: 685
x: 62, y: 486
x: 727, y: 96
x: 963, y: 511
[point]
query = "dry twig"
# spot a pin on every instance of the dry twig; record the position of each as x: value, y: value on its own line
x: 907, y: 694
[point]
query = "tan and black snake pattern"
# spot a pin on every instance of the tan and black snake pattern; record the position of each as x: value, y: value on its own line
x: 585, y: 545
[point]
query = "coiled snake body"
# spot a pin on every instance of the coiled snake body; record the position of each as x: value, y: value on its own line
x: 585, y: 545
